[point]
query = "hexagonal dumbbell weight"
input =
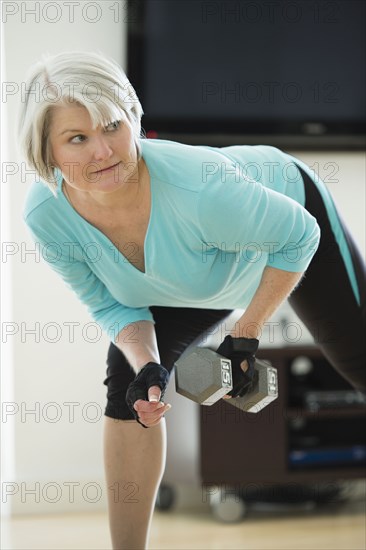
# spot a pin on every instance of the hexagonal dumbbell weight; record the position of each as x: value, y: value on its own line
x: 204, y: 376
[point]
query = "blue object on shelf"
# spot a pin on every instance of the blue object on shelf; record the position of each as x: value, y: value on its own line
x: 354, y: 455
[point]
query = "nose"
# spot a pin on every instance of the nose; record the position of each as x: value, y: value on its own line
x: 102, y: 150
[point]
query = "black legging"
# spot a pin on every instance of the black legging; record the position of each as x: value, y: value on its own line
x: 324, y: 301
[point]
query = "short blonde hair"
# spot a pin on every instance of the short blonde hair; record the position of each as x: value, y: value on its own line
x: 94, y: 81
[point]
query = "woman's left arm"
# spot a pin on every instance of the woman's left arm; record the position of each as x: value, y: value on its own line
x: 275, y: 286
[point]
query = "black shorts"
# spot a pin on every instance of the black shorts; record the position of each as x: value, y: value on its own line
x: 324, y: 301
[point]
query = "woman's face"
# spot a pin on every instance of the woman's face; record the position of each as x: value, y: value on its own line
x: 103, y: 159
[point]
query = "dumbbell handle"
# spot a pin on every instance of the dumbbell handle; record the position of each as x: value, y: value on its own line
x: 264, y: 392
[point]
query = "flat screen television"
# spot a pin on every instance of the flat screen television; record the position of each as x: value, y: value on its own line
x: 285, y: 73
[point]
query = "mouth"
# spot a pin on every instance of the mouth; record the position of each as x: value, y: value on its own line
x: 108, y: 169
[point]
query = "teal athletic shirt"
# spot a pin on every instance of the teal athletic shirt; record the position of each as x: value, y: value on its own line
x: 218, y: 217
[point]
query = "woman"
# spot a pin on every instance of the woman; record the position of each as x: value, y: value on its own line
x: 163, y: 240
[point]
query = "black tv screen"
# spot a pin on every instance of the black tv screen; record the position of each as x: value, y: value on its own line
x: 279, y: 72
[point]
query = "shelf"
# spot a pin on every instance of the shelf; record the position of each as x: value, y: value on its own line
x: 294, y: 412
x: 289, y: 352
x: 253, y: 448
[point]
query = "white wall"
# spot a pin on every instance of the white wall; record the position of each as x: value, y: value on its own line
x: 38, y: 372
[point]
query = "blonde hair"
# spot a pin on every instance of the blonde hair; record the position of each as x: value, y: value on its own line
x: 92, y: 80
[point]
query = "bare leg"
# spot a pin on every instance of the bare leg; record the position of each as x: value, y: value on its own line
x: 134, y: 459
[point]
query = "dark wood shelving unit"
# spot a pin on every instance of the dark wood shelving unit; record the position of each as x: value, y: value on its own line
x: 238, y: 448
x: 329, y: 413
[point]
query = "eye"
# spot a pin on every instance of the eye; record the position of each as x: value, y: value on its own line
x: 113, y: 125
x: 75, y: 138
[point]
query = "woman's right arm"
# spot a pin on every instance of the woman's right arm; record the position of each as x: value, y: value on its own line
x: 139, y: 345
x: 137, y: 340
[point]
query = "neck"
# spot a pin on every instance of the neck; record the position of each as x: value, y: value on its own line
x: 128, y: 195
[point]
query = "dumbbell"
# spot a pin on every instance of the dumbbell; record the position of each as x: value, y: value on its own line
x: 204, y: 376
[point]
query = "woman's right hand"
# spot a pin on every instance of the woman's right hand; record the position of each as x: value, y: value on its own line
x: 150, y: 412
x: 144, y: 395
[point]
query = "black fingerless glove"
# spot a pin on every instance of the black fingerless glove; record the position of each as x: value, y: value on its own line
x: 238, y: 350
x: 152, y: 374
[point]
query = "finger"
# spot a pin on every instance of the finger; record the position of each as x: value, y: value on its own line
x: 154, y: 394
x: 147, y: 406
x: 155, y: 413
x: 155, y: 417
x: 227, y: 396
x: 150, y: 419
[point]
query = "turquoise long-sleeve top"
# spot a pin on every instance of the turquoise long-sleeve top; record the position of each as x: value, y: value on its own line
x: 218, y: 217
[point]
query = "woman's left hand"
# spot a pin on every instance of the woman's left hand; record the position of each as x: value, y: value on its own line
x: 244, y: 367
x: 241, y: 352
